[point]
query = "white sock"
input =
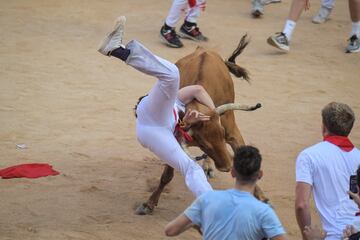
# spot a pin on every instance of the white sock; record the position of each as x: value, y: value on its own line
x: 355, y: 29
x: 289, y: 28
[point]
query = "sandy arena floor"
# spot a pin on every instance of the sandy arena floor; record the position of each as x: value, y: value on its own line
x: 72, y: 107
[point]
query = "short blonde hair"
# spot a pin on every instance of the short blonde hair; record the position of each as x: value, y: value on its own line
x: 338, y: 118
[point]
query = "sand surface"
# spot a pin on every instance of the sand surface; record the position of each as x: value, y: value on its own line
x: 72, y: 108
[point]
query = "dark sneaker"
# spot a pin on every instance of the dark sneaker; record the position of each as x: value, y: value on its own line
x: 257, y: 8
x: 354, y: 44
x: 192, y: 33
x: 170, y: 38
x: 280, y: 41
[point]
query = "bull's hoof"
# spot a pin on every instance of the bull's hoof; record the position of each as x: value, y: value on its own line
x: 144, y: 209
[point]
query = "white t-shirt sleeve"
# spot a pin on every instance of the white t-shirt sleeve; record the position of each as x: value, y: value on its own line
x: 304, y: 169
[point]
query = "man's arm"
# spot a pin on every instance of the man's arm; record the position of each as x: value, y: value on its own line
x: 180, y: 224
x: 302, y: 205
x: 189, y: 93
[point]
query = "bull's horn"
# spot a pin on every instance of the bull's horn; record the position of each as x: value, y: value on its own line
x: 235, y: 106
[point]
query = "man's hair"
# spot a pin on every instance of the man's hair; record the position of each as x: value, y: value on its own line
x: 247, y: 163
x: 338, y: 118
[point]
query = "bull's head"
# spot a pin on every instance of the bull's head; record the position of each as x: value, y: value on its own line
x: 209, y: 136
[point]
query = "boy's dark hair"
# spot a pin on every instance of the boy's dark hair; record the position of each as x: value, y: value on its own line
x: 136, y: 105
x: 338, y: 118
x: 247, y: 162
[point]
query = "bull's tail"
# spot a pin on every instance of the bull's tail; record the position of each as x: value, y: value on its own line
x: 232, y: 66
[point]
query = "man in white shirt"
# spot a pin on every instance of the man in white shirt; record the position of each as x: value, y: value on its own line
x: 325, y: 169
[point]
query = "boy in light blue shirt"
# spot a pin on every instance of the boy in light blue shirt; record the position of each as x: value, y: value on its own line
x: 234, y: 213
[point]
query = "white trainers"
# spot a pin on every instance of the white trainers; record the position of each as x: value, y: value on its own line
x: 113, y: 39
x: 322, y: 16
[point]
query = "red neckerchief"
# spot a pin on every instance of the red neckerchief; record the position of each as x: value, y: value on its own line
x: 342, y: 142
x: 357, y: 214
x: 181, y: 131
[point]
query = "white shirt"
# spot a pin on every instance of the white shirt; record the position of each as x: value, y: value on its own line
x: 327, y: 169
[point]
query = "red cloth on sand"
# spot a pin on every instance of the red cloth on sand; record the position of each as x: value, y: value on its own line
x: 32, y: 170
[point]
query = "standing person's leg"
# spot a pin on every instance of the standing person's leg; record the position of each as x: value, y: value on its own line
x: 257, y: 8
x: 354, y: 41
x: 324, y: 11
x: 282, y: 40
x: 167, y: 32
x: 189, y: 29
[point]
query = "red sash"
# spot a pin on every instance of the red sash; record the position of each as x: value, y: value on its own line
x: 179, y: 130
x: 341, y: 141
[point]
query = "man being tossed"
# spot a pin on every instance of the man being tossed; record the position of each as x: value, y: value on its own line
x: 233, y: 213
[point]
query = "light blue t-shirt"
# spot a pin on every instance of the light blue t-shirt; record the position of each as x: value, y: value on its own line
x: 233, y: 214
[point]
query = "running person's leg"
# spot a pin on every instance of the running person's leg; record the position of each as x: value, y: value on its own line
x: 190, y: 29
x: 167, y: 32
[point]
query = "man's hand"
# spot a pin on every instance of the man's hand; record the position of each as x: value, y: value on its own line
x: 314, y: 233
x: 193, y: 116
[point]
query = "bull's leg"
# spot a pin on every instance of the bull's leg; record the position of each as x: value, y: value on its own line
x: 148, y: 207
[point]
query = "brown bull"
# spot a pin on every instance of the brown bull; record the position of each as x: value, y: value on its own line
x: 208, y: 69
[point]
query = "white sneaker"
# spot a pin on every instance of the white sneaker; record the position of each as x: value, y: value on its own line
x: 322, y: 16
x: 113, y: 39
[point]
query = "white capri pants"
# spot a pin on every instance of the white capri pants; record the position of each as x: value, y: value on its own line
x: 155, y: 117
x: 182, y: 6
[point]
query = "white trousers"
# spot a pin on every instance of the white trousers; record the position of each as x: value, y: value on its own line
x: 155, y: 118
x: 328, y: 3
x: 182, y: 6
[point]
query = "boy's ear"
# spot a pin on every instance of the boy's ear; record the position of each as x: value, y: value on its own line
x: 233, y: 172
x: 260, y: 174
